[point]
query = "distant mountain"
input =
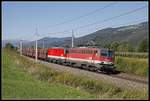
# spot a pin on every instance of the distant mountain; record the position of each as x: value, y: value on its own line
x: 131, y: 33
x: 50, y: 42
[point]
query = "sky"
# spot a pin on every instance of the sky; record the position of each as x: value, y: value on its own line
x: 21, y: 20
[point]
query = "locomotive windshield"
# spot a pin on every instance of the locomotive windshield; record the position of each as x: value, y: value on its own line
x: 110, y: 53
x: 107, y: 53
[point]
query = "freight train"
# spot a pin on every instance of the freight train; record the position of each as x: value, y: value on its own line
x: 93, y: 59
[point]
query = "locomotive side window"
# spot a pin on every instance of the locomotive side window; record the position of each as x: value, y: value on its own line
x: 95, y: 52
x: 82, y: 52
x: 92, y: 52
x: 86, y: 51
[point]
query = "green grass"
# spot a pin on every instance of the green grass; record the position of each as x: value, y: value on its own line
x: 25, y: 79
x: 132, y: 54
x: 132, y: 65
x: 18, y: 84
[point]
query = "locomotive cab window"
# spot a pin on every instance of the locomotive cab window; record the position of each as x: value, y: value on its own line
x: 107, y: 53
x: 110, y: 53
x: 103, y: 53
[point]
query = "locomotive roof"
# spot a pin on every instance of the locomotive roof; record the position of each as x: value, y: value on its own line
x: 84, y: 48
x: 58, y: 47
x: 90, y: 48
x: 81, y: 48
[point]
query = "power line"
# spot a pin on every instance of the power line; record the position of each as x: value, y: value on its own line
x: 36, y: 45
x: 79, y: 17
x: 129, y: 22
x: 133, y: 21
x: 105, y: 20
x: 123, y: 14
x: 126, y: 23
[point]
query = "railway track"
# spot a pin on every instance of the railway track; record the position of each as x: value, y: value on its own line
x: 120, y: 79
x: 131, y: 79
x: 125, y: 76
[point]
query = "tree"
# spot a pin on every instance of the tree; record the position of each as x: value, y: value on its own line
x: 107, y: 46
x: 32, y: 47
x: 114, y: 46
x: 143, y: 46
x: 130, y: 48
x: 125, y: 47
x: 9, y: 46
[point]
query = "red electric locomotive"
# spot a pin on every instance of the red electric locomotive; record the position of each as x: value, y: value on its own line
x: 56, y: 55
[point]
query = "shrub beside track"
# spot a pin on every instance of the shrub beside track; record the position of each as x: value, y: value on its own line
x: 132, y: 65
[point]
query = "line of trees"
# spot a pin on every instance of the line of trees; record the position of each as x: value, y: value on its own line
x: 117, y: 46
x: 127, y: 47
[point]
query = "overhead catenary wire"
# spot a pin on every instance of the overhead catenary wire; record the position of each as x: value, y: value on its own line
x: 135, y: 21
x: 105, y: 20
x: 82, y: 16
x: 36, y: 44
x: 20, y: 47
x: 114, y: 17
x: 130, y: 22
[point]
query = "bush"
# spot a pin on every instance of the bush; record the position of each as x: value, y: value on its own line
x: 132, y: 65
x: 9, y: 46
x: 143, y: 46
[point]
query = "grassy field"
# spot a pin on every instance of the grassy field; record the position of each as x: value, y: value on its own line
x: 23, y: 79
x: 132, y: 65
x: 18, y: 84
x: 139, y: 55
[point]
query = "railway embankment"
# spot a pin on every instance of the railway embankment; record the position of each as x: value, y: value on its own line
x: 119, y: 80
x: 80, y: 80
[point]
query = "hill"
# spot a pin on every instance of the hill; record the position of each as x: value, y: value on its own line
x: 132, y: 34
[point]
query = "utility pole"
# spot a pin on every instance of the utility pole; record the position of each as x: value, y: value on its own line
x: 20, y: 47
x: 36, y: 45
x: 43, y: 43
x: 72, y: 38
x: 36, y: 51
